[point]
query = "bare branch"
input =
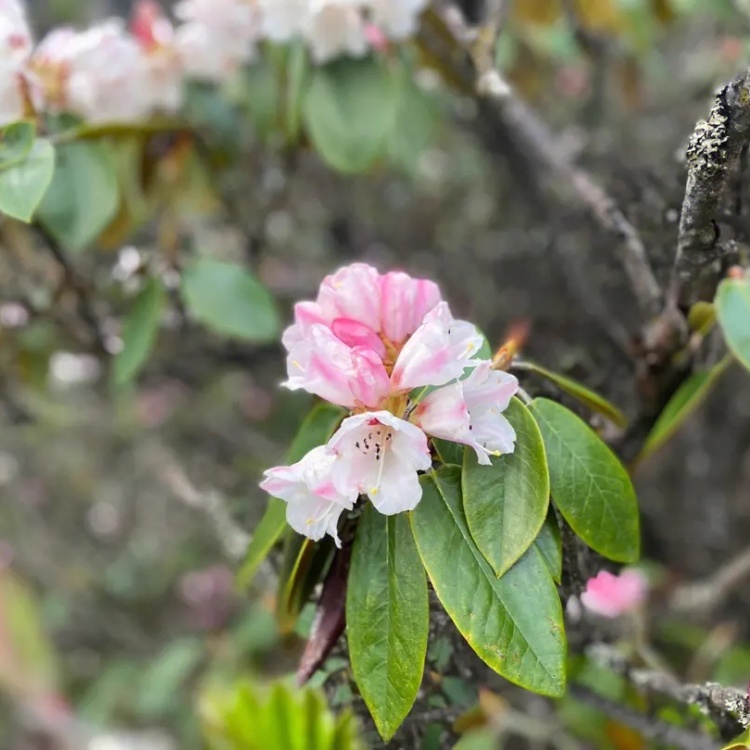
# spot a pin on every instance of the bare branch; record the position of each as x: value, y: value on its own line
x: 706, y: 595
x: 537, y: 141
x: 647, y: 726
x: 211, y: 503
x: 713, y: 152
x: 727, y: 707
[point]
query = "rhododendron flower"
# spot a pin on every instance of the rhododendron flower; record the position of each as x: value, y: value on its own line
x: 397, y: 18
x: 470, y: 412
x: 611, y: 595
x: 314, y: 504
x: 15, y: 36
x: 379, y: 455
x: 217, y: 36
x: 12, y: 100
x: 338, y: 28
x: 376, y: 344
x: 163, y: 72
x: 438, y: 351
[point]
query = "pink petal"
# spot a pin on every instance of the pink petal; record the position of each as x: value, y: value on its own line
x: 369, y: 382
x: 353, y: 333
x: 404, y: 303
x: 352, y: 292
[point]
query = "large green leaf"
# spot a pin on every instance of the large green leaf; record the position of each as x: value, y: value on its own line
x: 549, y: 545
x: 506, y: 503
x: 83, y: 197
x: 139, y: 331
x: 387, y: 617
x: 349, y: 112
x: 229, y: 299
x: 514, y: 623
x: 23, y: 184
x: 733, y: 309
x: 573, y: 388
x: 16, y: 141
x: 686, y: 399
x: 315, y: 430
x: 739, y: 743
x: 589, y: 485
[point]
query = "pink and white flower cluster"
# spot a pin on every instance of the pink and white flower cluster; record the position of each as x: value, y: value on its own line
x: 113, y: 73
x: 385, y: 347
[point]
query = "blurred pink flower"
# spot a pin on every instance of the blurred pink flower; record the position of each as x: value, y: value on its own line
x: 614, y: 595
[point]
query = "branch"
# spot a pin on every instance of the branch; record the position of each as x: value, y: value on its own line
x: 706, y: 595
x: 234, y: 539
x: 648, y: 727
x: 712, y: 154
x: 536, y: 140
x: 727, y: 707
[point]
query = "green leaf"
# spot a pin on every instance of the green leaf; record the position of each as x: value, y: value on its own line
x: 739, y: 743
x: 387, y: 617
x: 733, y: 309
x: 702, y: 317
x: 573, y: 388
x: 549, y: 545
x: 514, y: 623
x: 139, y: 331
x: 231, y: 300
x: 479, y: 739
x: 16, y: 142
x: 589, y: 485
x: 349, y: 112
x: 686, y: 399
x: 165, y: 677
x: 23, y: 185
x: 506, y: 503
x: 305, y: 563
x: 316, y: 428
x: 83, y: 197
x: 448, y: 451
x: 28, y: 664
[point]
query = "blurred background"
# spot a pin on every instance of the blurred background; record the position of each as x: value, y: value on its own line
x: 125, y: 512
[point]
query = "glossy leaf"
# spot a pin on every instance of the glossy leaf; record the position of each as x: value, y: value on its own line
x: 305, y: 563
x: 83, y: 197
x: 590, y: 486
x: 23, y: 185
x: 387, y: 616
x: 139, y: 331
x: 733, y: 309
x: 506, y: 503
x: 586, y: 396
x: 449, y: 452
x: 514, y: 623
x: 349, y: 112
x: 317, y: 427
x: 686, y: 399
x: 16, y: 142
x: 231, y: 300
x: 549, y: 545
x: 247, y: 716
x: 739, y: 743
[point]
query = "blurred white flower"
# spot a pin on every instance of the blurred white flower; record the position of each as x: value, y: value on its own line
x: 12, y: 99
x: 282, y: 20
x: 337, y: 28
x: 397, y: 18
x: 15, y: 36
x: 68, y: 368
x: 217, y: 36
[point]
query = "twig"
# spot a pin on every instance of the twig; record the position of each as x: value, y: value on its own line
x: 536, y: 139
x: 727, y: 707
x: 713, y: 152
x: 79, y: 288
x: 234, y: 540
x: 647, y: 726
x: 706, y: 595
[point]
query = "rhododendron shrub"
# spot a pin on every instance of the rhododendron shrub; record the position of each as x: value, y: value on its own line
x: 425, y: 462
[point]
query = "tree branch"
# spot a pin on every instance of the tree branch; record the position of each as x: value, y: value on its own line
x: 535, y: 139
x: 712, y: 154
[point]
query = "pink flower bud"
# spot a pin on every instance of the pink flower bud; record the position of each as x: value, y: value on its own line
x: 610, y: 595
